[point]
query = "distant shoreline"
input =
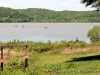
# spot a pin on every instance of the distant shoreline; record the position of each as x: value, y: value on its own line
x: 36, y: 15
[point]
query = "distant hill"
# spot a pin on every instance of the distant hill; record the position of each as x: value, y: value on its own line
x: 11, y: 15
x: 47, y: 16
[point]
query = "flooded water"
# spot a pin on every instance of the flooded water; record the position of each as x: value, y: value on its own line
x: 44, y: 31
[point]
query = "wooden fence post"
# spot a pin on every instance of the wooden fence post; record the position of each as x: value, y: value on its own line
x: 26, y: 64
x: 26, y: 58
x: 1, y: 58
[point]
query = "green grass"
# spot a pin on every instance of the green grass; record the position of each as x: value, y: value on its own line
x: 72, y: 64
x: 52, y: 61
x: 56, y: 63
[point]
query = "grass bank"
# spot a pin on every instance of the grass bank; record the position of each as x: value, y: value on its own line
x: 50, y: 58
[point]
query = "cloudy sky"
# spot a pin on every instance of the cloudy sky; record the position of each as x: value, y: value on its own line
x: 57, y: 5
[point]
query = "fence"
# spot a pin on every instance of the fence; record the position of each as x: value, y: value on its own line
x: 26, y: 55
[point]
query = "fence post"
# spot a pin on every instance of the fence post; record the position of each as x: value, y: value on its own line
x: 1, y: 58
x: 26, y: 64
x: 26, y: 58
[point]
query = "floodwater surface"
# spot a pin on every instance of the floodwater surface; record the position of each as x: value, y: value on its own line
x: 45, y: 31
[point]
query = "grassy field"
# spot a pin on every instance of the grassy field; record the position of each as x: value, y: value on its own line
x: 81, y: 61
x: 57, y: 63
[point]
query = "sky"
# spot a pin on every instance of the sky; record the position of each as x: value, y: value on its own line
x: 57, y: 5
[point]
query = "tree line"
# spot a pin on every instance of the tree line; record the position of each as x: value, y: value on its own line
x: 36, y: 15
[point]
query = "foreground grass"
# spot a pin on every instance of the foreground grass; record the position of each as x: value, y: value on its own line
x: 56, y: 63
x: 72, y: 64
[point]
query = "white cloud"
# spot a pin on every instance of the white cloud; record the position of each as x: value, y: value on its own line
x: 64, y: 3
x: 57, y: 5
x: 79, y: 7
x: 4, y: 4
x: 73, y: 6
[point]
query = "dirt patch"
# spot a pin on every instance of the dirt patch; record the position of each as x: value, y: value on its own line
x: 10, y: 51
x: 68, y: 50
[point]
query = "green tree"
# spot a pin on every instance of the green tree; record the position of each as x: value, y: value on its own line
x: 94, y: 34
x: 93, y: 3
x: 47, y: 16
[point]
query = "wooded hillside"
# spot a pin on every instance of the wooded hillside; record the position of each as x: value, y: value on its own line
x: 47, y: 16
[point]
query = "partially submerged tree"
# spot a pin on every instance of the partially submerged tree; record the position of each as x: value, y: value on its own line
x: 94, y: 34
x: 93, y: 3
